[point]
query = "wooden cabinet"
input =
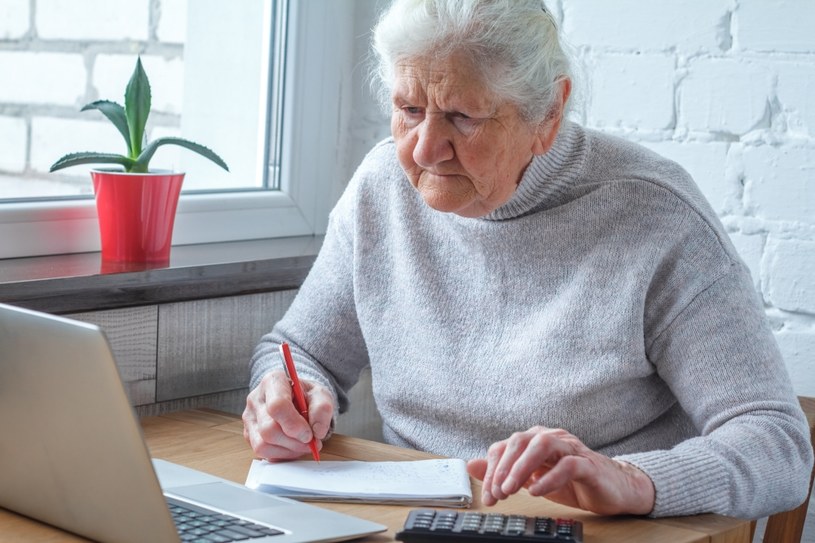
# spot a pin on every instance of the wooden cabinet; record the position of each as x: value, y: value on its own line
x: 132, y: 336
x: 196, y: 354
x: 205, y: 345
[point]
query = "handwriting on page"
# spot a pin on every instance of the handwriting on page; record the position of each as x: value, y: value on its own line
x: 424, y: 478
x: 376, y: 477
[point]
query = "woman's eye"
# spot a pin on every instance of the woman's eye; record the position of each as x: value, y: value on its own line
x: 412, y: 115
x: 464, y: 123
x: 412, y: 111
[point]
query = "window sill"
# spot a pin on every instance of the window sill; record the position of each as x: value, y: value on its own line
x: 76, y: 282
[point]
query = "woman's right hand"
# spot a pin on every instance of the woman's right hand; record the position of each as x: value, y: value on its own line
x: 272, y: 425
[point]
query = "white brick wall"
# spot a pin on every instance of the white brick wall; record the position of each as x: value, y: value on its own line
x: 779, y: 183
x: 640, y: 25
x: 172, y: 25
x: 724, y: 95
x: 795, y: 83
x: 775, y: 25
x: 638, y: 90
x: 42, y: 78
x: 12, y: 144
x: 13, y: 19
x: 92, y: 20
x: 788, y: 280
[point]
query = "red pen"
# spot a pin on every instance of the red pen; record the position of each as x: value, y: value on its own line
x: 298, y: 395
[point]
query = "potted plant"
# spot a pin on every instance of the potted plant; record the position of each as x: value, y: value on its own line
x: 135, y: 206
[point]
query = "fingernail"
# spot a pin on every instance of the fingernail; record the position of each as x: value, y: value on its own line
x: 509, y: 486
x: 305, y: 437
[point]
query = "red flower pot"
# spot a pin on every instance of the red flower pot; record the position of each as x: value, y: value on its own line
x: 136, y: 215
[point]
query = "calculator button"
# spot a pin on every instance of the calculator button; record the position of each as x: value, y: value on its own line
x: 516, y: 526
x: 544, y: 526
x: 564, y: 527
x: 470, y: 523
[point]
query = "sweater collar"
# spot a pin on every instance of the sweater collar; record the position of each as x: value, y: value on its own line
x: 547, y: 180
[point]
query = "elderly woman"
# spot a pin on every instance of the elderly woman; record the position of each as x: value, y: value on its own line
x: 559, y: 306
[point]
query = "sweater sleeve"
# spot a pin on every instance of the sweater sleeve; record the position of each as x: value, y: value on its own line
x: 753, y: 456
x: 321, y: 324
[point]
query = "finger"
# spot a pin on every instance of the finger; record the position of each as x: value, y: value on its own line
x: 248, y: 427
x: 545, y: 449
x: 320, y: 409
x: 271, y: 431
x: 280, y: 408
x: 270, y: 442
x: 564, y: 472
x: 249, y: 417
x: 493, y: 457
x: 477, y: 468
x: 516, y: 445
x: 262, y: 431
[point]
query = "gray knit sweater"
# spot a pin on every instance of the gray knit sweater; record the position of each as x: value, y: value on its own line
x: 604, y: 298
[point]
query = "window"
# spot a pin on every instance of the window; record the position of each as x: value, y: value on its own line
x: 262, y: 85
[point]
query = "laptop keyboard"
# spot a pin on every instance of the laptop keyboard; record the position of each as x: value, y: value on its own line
x: 200, y: 525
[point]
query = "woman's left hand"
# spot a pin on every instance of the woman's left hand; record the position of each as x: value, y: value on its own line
x: 555, y: 464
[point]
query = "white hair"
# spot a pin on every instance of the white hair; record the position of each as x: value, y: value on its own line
x: 514, y: 43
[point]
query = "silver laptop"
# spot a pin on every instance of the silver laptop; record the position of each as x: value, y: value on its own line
x: 72, y: 453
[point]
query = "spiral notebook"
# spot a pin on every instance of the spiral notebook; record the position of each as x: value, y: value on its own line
x: 437, y: 482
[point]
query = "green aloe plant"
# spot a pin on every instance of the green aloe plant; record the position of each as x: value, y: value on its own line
x: 131, y: 120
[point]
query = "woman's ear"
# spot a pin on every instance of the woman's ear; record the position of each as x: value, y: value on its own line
x: 548, y: 129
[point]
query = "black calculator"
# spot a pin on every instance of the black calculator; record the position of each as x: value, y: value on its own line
x: 443, y: 525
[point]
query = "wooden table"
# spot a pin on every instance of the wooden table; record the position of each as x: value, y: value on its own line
x: 213, y: 442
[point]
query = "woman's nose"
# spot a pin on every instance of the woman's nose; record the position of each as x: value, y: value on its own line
x: 433, y: 144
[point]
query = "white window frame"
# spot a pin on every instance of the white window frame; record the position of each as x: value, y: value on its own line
x: 319, y: 55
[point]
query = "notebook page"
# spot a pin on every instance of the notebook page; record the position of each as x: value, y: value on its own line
x: 436, y: 478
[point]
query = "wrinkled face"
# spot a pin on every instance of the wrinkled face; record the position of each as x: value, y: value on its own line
x: 462, y: 149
